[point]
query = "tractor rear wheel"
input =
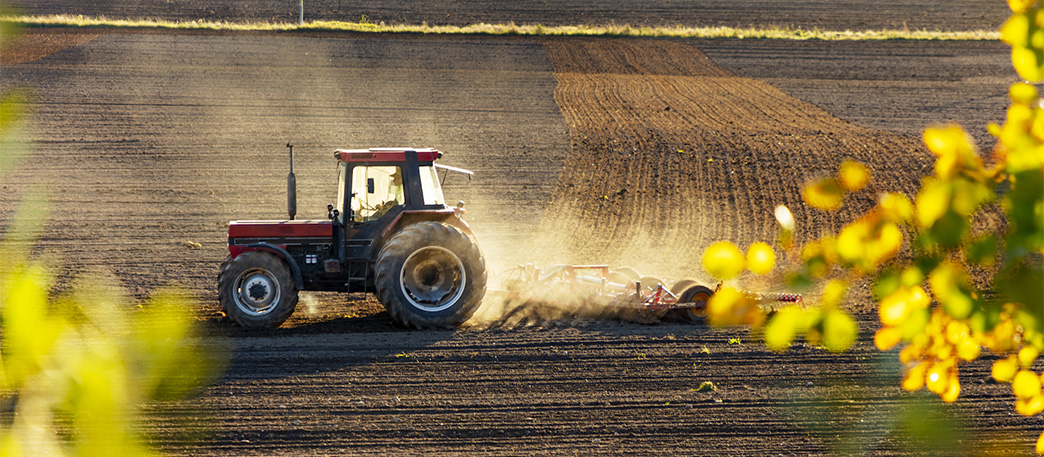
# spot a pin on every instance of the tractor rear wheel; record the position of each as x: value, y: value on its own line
x: 430, y: 274
x: 699, y: 295
x: 257, y: 290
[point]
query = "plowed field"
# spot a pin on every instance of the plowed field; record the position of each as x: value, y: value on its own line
x: 672, y: 152
x: 636, y: 151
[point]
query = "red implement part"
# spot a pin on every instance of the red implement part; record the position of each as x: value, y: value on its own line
x: 587, y: 284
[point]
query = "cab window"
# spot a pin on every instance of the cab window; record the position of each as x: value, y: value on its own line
x: 430, y: 186
x: 375, y: 191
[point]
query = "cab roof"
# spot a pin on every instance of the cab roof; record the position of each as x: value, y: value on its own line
x: 385, y: 155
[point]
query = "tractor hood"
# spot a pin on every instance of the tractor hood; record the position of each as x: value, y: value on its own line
x: 270, y: 230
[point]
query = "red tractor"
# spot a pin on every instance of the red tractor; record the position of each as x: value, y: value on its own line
x: 390, y: 233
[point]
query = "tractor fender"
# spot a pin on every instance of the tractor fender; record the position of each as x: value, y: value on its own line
x: 448, y: 216
x: 281, y: 253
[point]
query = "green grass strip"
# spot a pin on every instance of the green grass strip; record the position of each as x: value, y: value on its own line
x: 505, y: 29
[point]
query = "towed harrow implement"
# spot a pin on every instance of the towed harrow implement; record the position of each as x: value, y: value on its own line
x: 620, y: 288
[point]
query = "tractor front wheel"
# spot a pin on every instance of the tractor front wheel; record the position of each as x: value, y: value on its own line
x: 257, y: 290
x: 430, y: 274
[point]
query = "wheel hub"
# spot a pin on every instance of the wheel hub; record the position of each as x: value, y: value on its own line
x: 432, y: 279
x: 257, y: 292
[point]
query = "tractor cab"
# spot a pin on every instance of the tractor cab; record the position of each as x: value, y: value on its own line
x: 380, y: 190
x: 390, y: 233
x: 374, y: 183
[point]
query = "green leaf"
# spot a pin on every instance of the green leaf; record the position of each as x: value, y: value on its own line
x: 950, y: 229
x: 886, y: 283
x: 915, y: 323
x: 982, y: 251
x: 798, y: 280
x: 912, y: 276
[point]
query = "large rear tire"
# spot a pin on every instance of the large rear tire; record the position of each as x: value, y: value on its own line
x: 430, y: 275
x: 257, y: 290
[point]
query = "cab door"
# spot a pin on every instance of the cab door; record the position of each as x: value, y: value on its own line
x: 377, y: 196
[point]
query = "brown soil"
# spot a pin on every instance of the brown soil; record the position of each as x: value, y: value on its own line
x: 150, y: 143
x: 36, y: 44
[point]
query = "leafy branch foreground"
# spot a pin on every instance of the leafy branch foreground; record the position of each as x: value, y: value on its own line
x: 920, y: 253
x: 365, y: 26
x: 76, y: 367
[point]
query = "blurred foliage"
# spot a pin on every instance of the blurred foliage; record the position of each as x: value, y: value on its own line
x: 76, y: 366
x: 922, y: 254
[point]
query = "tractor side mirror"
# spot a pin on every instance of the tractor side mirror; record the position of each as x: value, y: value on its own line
x: 369, y: 185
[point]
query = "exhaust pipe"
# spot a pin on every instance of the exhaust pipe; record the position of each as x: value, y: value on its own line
x: 291, y: 186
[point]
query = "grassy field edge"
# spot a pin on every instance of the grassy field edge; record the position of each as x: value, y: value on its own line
x: 364, y: 26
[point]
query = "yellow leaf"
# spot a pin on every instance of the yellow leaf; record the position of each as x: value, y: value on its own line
x: 839, y: 331
x: 914, y: 378
x: 918, y: 298
x: 854, y: 175
x: 1027, y: 63
x: 953, y: 146
x: 953, y: 389
x: 834, y: 293
x: 1027, y: 355
x: 1020, y: 6
x: 956, y: 331
x: 1022, y: 93
x: 760, y: 258
x: 825, y: 194
x: 911, y: 276
x: 887, y: 337
x: 896, y: 207
x: 893, y: 309
x: 968, y: 349
x: 1015, y: 31
x: 1026, y: 384
x: 943, y: 141
x: 721, y: 305
x: 938, y: 378
x: 949, y: 283
x: 994, y: 129
x: 886, y: 244
x: 851, y: 242
x: 910, y: 353
x: 932, y: 201
x: 782, y: 327
x: 1030, y: 406
x: 723, y: 260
